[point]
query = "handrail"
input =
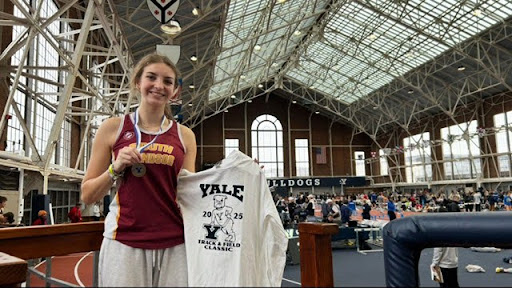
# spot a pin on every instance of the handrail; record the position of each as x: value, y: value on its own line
x: 63, y: 239
x: 51, y: 240
x: 13, y: 270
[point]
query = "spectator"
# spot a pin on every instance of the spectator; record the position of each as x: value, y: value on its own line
x: 391, y: 210
x: 3, y: 202
x: 345, y: 212
x: 292, y: 207
x: 41, y: 218
x: 468, y: 201
x: 477, y: 199
x: 453, y: 205
x: 507, y: 201
x: 366, y: 210
x: 8, y: 220
x: 75, y: 215
x: 334, y: 215
x: 352, y: 205
x: 310, y: 208
x: 96, y: 212
x: 445, y: 261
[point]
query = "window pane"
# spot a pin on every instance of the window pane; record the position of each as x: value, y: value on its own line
x: 267, y: 144
x: 461, y: 147
x: 383, y: 160
x: 417, y: 157
x: 301, y: 157
x: 230, y: 145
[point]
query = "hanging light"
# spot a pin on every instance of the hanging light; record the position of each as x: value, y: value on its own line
x: 197, y: 11
x: 193, y: 58
x: 171, y: 28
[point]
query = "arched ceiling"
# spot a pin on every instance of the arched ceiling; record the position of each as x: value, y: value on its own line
x: 360, y: 62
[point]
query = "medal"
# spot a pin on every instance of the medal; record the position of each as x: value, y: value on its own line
x: 139, y: 169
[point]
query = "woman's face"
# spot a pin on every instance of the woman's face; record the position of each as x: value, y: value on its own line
x: 156, y: 84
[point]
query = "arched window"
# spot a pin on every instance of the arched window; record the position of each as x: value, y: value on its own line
x: 267, y: 144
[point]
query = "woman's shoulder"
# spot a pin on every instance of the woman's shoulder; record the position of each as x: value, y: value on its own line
x: 184, y: 129
x: 188, y: 135
x: 111, y: 125
x: 109, y: 128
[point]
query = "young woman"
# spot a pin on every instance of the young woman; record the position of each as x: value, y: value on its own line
x: 143, y: 153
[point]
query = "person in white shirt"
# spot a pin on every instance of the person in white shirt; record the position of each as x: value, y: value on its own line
x: 445, y: 262
x: 477, y: 197
x: 96, y: 213
x: 334, y: 215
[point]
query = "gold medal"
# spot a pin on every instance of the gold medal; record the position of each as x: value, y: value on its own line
x: 138, y: 170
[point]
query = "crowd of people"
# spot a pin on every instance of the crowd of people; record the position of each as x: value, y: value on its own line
x: 340, y: 209
x: 74, y: 215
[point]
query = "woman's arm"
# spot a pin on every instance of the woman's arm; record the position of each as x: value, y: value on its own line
x: 189, y: 139
x: 97, y: 181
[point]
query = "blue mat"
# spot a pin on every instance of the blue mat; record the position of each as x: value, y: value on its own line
x: 352, y: 269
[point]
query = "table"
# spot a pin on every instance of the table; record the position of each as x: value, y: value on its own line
x: 376, y: 234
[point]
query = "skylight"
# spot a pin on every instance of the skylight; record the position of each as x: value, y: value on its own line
x: 355, y: 49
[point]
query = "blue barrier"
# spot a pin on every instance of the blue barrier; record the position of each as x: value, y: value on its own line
x: 405, y: 238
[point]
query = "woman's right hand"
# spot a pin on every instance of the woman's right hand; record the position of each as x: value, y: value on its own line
x: 126, y: 157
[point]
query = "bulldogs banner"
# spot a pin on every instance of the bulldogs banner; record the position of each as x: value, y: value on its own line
x: 163, y: 10
x: 349, y: 181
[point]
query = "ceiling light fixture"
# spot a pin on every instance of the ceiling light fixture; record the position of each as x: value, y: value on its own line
x: 372, y: 36
x: 171, y: 28
x: 197, y: 11
x: 281, y: 1
x: 294, y: 102
x: 260, y: 86
x: 193, y: 58
x: 190, y: 104
x: 317, y: 112
x: 257, y: 48
x: 233, y: 96
x: 410, y: 91
x: 242, y: 76
x: 297, y: 33
x: 477, y: 12
x: 461, y: 68
x: 191, y: 86
x: 249, y: 101
x: 226, y: 111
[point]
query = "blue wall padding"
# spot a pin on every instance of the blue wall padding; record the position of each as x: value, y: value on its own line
x: 405, y: 238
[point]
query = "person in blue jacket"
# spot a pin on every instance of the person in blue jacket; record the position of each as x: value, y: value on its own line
x: 391, y: 210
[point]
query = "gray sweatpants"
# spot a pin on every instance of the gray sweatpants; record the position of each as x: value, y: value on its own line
x: 124, y: 266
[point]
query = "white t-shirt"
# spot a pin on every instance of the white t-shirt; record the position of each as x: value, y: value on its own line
x: 233, y: 232
x: 336, y: 209
x: 477, y: 197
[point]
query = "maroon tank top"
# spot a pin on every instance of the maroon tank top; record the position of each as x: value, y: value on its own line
x: 146, y: 214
